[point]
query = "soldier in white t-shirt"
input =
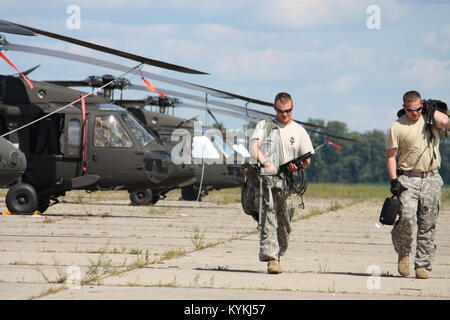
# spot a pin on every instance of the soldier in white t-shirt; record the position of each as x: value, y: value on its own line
x: 272, y: 144
x: 414, y: 140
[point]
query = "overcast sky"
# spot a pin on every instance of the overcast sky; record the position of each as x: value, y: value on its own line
x: 345, y: 60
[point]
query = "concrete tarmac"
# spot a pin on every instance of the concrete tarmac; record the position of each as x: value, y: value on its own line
x: 181, y: 250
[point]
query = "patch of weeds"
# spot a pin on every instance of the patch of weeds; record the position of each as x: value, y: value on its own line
x: 198, y: 239
x: 142, y: 260
x: 172, y: 254
x: 61, y: 278
x: 155, y: 210
x: 136, y: 251
x: 97, y: 269
x: 335, y: 206
x: 48, y: 220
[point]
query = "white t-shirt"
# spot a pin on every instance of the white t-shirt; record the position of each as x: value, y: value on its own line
x: 295, y: 140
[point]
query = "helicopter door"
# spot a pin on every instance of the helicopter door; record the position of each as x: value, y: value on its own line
x: 45, y: 153
x: 72, y: 145
x: 112, y: 154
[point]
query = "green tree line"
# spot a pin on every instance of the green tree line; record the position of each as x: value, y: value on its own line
x: 359, y: 161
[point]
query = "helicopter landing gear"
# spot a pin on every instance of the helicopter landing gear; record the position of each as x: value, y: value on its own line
x: 190, y: 193
x: 141, y: 197
x: 22, y: 198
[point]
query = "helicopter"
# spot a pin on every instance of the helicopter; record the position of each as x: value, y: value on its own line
x: 71, y: 150
x: 227, y: 174
x: 162, y: 125
x: 71, y: 147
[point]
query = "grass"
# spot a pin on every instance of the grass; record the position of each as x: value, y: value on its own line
x: 224, y: 196
x: 354, y: 192
x: 357, y: 192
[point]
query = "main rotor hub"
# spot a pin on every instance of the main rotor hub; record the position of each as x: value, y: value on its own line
x: 2, y: 41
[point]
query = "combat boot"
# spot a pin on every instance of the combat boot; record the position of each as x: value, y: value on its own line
x: 403, y: 266
x: 273, y: 267
x: 421, y: 273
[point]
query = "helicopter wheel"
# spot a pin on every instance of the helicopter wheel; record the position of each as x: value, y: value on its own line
x: 22, y: 198
x: 141, y: 197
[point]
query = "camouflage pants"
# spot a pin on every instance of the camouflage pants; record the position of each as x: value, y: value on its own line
x: 274, y: 237
x: 419, y: 203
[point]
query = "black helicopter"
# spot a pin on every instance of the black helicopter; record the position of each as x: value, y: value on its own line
x: 216, y: 175
x: 101, y: 149
x: 73, y: 140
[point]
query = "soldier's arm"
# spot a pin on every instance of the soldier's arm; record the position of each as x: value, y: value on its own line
x: 441, y: 120
x: 391, y: 163
x: 256, y: 153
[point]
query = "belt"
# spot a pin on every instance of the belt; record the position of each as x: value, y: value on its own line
x: 417, y: 174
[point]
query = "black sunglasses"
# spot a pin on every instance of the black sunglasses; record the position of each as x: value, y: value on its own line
x: 284, y: 111
x: 414, y: 110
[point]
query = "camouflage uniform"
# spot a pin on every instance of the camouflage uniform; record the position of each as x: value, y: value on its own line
x: 276, y: 228
x: 421, y: 201
x: 419, y: 160
x: 278, y: 198
x: 277, y: 210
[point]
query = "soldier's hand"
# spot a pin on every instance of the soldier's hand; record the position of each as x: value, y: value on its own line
x: 305, y: 164
x: 397, y: 188
x: 292, y: 167
x: 270, y: 168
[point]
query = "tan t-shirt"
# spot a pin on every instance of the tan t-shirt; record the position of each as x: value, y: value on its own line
x: 295, y: 140
x: 412, y: 141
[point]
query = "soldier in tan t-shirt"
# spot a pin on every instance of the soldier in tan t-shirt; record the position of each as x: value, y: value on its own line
x: 415, y: 180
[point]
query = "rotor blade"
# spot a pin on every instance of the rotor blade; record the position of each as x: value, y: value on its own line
x: 115, y: 66
x: 9, y: 27
x: 152, y: 62
x: 245, y: 110
x: 110, y: 65
x: 70, y: 83
x: 27, y: 72
x: 255, y: 118
x: 264, y: 103
x: 220, y: 111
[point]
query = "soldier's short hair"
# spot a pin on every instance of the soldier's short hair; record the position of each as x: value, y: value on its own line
x: 410, y: 96
x: 283, y: 97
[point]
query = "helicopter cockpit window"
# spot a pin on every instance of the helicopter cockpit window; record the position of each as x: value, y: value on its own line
x: 110, y: 133
x: 74, y: 137
x: 141, y: 134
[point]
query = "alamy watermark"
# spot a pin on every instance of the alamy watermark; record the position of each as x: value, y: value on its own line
x: 73, y: 280
x: 374, y: 281
x: 210, y: 146
x: 74, y: 20
x: 373, y: 21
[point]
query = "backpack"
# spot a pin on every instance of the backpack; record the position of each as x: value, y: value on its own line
x: 250, y: 192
